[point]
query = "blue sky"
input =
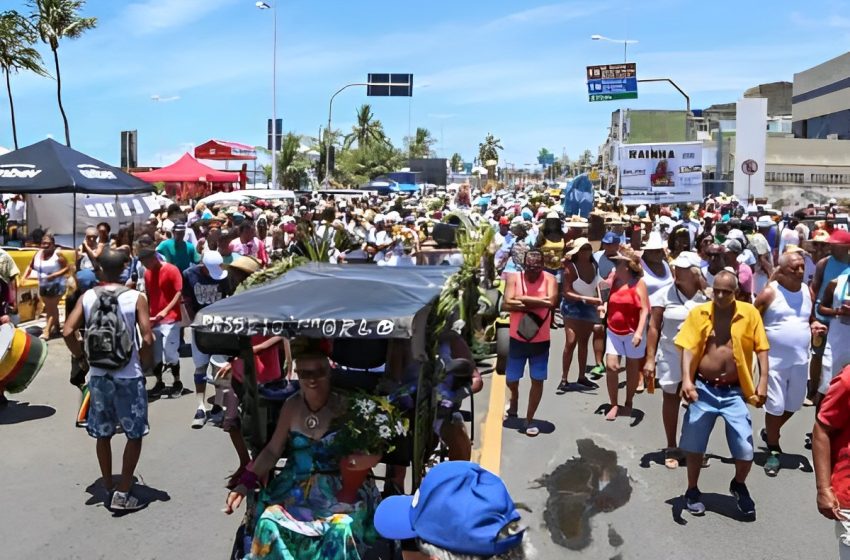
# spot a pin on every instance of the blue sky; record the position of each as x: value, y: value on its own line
x: 513, y: 68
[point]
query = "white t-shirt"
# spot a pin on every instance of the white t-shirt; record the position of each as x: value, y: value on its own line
x: 127, y: 302
x: 676, y: 308
x: 16, y: 209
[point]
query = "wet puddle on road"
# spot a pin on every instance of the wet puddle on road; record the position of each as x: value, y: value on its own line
x: 585, y: 485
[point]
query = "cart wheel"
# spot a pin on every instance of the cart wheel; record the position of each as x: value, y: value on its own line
x: 503, y: 340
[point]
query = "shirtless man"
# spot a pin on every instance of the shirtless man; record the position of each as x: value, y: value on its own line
x: 717, y: 341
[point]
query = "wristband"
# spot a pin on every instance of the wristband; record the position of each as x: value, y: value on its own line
x: 249, y: 480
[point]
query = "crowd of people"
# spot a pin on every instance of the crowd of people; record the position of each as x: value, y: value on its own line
x: 686, y: 298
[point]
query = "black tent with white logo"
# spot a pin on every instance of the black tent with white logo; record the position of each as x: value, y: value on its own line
x: 48, y: 167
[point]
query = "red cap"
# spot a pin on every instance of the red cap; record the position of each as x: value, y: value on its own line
x: 840, y: 237
x: 504, y: 221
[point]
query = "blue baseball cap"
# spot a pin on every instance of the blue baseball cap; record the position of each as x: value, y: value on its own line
x: 610, y: 237
x: 460, y: 507
x: 86, y: 279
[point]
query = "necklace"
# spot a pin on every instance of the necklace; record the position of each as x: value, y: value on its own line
x: 311, y: 422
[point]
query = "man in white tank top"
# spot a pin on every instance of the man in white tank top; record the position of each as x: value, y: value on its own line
x: 117, y: 396
x: 786, y: 308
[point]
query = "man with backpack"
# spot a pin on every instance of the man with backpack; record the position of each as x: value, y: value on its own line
x: 115, y: 359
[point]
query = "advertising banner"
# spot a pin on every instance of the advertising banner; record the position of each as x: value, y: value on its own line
x: 663, y: 173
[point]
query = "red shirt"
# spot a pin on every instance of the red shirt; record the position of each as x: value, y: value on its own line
x: 161, y: 285
x: 266, y: 362
x: 835, y: 414
x: 624, y: 309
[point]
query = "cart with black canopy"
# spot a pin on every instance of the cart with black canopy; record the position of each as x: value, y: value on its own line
x: 358, y: 304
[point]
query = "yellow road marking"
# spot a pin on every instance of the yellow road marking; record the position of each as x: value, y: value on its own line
x: 491, y: 447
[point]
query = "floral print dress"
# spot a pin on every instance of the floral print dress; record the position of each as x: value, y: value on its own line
x: 299, y: 517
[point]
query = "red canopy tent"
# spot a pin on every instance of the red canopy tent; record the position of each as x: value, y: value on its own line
x: 193, y: 177
x: 219, y: 149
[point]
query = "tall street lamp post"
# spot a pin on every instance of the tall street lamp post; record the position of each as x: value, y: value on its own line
x: 626, y: 43
x: 273, y: 7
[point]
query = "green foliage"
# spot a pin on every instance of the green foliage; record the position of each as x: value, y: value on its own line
x: 60, y: 19
x: 272, y: 272
x: 489, y: 149
x: 292, y: 165
x: 369, y: 425
x: 358, y: 166
x: 367, y: 131
x: 419, y: 146
x: 456, y: 163
x: 17, y: 36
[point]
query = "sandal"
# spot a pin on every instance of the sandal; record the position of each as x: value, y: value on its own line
x: 612, y: 413
x: 563, y: 387
x: 532, y: 431
x: 509, y: 413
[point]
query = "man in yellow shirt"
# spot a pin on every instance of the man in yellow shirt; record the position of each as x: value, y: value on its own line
x: 717, y: 341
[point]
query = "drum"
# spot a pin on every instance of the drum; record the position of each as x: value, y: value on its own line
x: 21, y: 358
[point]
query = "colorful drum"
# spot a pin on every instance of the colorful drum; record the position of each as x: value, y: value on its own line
x: 21, y: 358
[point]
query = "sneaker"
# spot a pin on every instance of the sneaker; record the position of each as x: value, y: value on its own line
x: 200, y: 419
x: 176, y: 390
x: 772, y: 465
x: 597, y: 372
x: 157, y: 390
x: 746, y: 505
x: 693, y: 501
x: 124, y: 501
x: 216, y: 416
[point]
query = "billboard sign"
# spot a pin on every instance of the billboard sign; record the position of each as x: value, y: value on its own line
x: 663, y: 173
x: 609, y: 82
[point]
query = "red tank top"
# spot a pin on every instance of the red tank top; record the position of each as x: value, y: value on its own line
x: 623, y: 309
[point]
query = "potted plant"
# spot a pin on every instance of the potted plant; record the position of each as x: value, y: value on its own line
x: 368, y: 429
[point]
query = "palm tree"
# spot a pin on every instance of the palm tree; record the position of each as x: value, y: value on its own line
x: 55, y: 20
x: 366, y: 130
x: 17, y: 53
x: 487, y: 149
x: 419, y: 146
x: 456, y: 163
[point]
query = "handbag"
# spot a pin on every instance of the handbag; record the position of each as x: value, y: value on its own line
x: 530, y: 323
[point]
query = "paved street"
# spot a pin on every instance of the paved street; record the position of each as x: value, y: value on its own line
x: 50, y: 469
x: 650, y: 525
x: 51, y: 513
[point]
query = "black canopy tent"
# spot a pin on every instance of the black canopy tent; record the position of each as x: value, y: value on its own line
x: 48, y: 167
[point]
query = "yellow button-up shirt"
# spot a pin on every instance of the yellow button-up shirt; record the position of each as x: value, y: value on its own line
x: 748, y: 336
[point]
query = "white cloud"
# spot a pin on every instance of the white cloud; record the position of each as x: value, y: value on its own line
x: 550, y: 14
x: 153, y: 16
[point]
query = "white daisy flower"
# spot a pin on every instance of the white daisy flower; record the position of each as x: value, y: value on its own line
x: 385, y: 432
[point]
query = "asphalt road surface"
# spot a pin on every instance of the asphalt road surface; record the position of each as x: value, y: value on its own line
x: 53, y: 507
x: 638, y: 515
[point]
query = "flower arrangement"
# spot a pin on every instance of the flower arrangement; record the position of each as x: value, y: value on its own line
x: 369, y: 426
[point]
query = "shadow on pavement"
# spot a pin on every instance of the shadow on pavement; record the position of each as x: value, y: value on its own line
x: 16, y: 412
x: 721, y: 504
x: 518, y: 424
x: 146, y: 494
x: 637, y: 415
x: 787, y: 461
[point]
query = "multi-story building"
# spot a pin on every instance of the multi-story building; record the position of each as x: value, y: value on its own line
x: 821, y: 100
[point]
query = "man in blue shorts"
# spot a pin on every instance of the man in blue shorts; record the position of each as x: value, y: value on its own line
x: 118, y: 395
x: 530, y: 296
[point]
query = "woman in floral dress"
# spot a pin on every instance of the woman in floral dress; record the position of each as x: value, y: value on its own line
x: 298, y: 514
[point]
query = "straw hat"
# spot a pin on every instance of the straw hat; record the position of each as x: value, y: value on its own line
x: 631, y: 258
x: 577, y: 244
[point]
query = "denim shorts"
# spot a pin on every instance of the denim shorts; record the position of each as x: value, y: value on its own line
x: 580, y: 311
x: 536, y: 354
x: 117, y: 401
x: 727, y: 402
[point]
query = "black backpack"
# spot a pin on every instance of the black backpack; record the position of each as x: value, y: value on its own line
x: 108, y: 340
